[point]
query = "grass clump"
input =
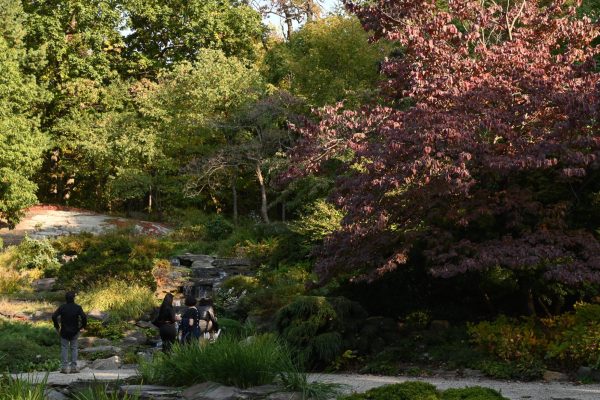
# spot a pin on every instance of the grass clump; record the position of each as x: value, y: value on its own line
x: 252, y: 362
x: 28, y: 347
x: 18, y: 389
x: 121, y: 300
x: 103, y: 392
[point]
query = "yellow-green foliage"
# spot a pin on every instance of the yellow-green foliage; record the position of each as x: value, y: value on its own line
x: 571, y: 339
x: 509, y: 339
x: 258, y: 252
x: 122, y: 300
x: 319, y: 220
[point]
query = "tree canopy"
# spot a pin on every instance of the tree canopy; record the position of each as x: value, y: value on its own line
x: 489, y: 158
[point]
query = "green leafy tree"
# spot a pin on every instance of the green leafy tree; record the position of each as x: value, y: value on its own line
x: 164, y: 33
x: 327, y: 61
x: 21, y: 143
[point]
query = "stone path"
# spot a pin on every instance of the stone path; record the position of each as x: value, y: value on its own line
x: 58, y: 379
x: 362, y: 383
x: 511, y: 390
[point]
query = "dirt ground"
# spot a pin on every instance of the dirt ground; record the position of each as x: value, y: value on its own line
x: 50, y: 221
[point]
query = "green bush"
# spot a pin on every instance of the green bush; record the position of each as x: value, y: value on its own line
x: 113, y: 330
x: 425, y: 391
x: 315, y: 326
x: 116, y: 255
x: 37, y: 254
x: 399, y: 391
x: 472, y: 393
x: 218, y: 228
x: 121, y: 300
x: 525, y: 370
x: 26, y: 347
x: 229, y: 361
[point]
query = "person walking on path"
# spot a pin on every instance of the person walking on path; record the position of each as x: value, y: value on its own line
x: 68, y: 320
x: 165, y: 321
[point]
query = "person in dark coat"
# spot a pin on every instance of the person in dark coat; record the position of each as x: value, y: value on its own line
x: 190, y: 322
x: 68, y: 320
x: 165, y: 321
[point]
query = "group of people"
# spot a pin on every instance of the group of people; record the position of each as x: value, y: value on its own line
x: 197, y: 321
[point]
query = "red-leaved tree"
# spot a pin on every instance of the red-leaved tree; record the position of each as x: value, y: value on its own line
x: 487, y: 155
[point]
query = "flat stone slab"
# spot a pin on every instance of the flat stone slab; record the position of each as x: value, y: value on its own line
x: 154, y: 392
x: 87, y: 375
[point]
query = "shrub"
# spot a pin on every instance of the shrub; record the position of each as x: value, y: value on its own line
x: 509, y: 339
x: 575, y: 337
x: 399, y: 391
x: 425, y: 391
x: 218, y: 228
x: 115, y: 255
x: 11, y: 281
x: 315, y: 326
x: 525, y: 370
x: 113, y: 330
x: 37, y: 254
x: 472, y: 393
x: 122, y: 300
x: 256, y: 361
x: 28, y: 347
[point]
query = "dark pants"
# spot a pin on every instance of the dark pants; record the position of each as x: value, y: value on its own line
x: 168, y: 334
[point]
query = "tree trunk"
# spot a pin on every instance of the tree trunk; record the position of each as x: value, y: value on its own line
x: 290, y: 25
x: 235, y: 198
x: 150, y: 201
x: 263, y: 194
x: 283, y: 211
x: 530, y: 303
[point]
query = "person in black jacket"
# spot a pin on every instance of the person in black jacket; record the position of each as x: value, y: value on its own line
x: 165, y: 321
x: 68, y: 320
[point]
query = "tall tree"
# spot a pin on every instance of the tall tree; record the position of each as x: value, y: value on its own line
x: 493, y: 163
x: 167, y: 32
x: 327, y: 61
x: 21, y: 142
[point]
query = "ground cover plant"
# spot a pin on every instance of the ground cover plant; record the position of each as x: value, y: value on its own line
x: 424, y: 391
x: 28, y: 347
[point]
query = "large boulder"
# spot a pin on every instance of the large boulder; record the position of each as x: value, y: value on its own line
x: 150, y: 392
x: 105, y: 364
x: 212, y: 391
x: 98, y: 315
x: 112, y: 350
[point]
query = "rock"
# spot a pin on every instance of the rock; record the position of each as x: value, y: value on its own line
x: 43, y: 285
x: 135, y: 338
x: 153, y: 392
x: 438, y: 325
x: 89, y: 341
x: 211, y: 391
x: 232, y: 262
x: 472, y: 373
x: 285, y: 396
x: 110, y: 363
x: 188, y: 259
x: 202, y: 265
x: 584, y: 372
x: 41, y: 316
x: 53, y: 394
x: 553, y: 376
x: 144, y: 324
x: 260, y: 392
x: 101, y: 349
x: 98, y: 315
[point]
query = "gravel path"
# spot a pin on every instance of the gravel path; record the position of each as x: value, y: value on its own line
x: 362, y: 383
x: 511, y: 390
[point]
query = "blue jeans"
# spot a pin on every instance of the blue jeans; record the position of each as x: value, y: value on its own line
x: 65, y: 344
